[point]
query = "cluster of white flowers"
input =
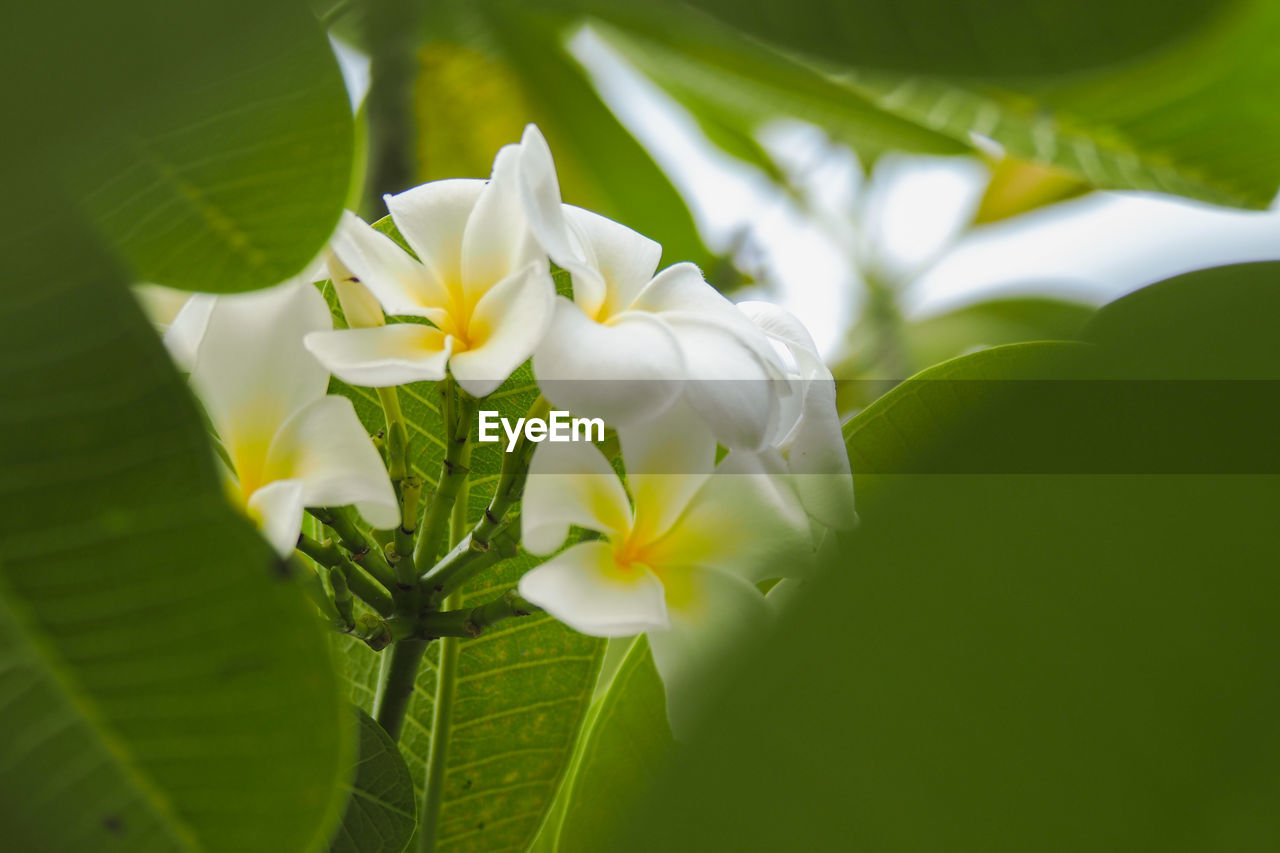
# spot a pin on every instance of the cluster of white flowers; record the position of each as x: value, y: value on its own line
x: 676, y: 368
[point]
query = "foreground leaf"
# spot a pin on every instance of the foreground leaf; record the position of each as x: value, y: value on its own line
x: 381, y: 813
x: 1033, y: 662
x: 209, y: 142
x: 163, y: 684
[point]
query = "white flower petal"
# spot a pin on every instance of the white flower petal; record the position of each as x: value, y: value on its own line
x: 508, y: 322
x: 625, y: 372
x: 624, y: 259
x: 182, y: 337
x: 745, y: 520
x: 570, y: 483
x: 383, y: 355
x: 731, y: 388
x: 680, y: 290
x: 711, y: 613
x: 277, y: 510
x: 667, y: 460
x: 400, y: 283
x: 432, y: 218
x: 540, y: 199
x: 585, y: 589
x: 360, y: 308
x: 814, y: 446
x: 251, y: 370
x: 818, y: 460
x: 326, y: 449
x: 497, y: 240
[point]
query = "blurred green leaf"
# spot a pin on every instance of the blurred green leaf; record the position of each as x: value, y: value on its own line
x: 1033, y: 662
x: 987, y: 38
x: 625, y: 741
x: 731, y: 84
x: 210, y: 143
x: 523, y: 688
x: 1217, y: 323
x: 490, y: 68
x: 164, y: 686
x: 381, y: 813
x: 1192, y: 119
x: 867, y: 367
x: 897, y: 429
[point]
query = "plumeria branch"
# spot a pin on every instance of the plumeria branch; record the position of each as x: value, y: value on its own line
x: 459, y: 408
x: 472, y: 622
x: 364, y: 549
x: 490, y: 540
x: 330, y: 556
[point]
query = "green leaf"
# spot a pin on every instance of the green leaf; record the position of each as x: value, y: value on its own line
x: 625, y: 741
x: 1033, y: 662
x: 488, y: 69
x: 522, y: 688
x: 894, y: 433
x: 381, y: 813
x: 164, y: 685
x: 1211, y: 324
x: 1190, y: 119
x: 209, y: 142
x: 992, y: 37
x: 732, y: 84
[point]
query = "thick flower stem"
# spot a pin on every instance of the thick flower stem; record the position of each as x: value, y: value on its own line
x: 491, y: 539
x: 396, y: 678
x: 474, y: 621
x: 460, y: 409
x: 364, y: 549
x: 441, y: 713
x: 331, y: 556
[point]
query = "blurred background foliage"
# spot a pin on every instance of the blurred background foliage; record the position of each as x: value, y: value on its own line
x: 993, y: 662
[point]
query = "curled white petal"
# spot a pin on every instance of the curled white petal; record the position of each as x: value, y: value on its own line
x: 251, y: 370
x: 570, y: 484
x: 710, y: 614
x: 625, y: 372
x: 326, y: 449
x: 401, y: 284
x: 667, y: 460
x: 506, y: 325
x: 382, y: 356
x: 585, y: 589
x: 432, y: 218
x: 277, y: 510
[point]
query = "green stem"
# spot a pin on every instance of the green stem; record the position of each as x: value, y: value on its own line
x: 441, y: 712
x: 364, y: 549
x: 459, y: 409
x: 331, y: 556
x: 474, y: 621
x: 396, y: 678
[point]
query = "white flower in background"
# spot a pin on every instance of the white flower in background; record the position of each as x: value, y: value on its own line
x: 678, y: 563
x: 807, y: 442
x: 290, y: 445
x: 480, y: 278
x: 180, y: 317
x: 630, y: 342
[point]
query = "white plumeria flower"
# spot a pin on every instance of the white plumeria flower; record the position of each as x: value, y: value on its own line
x: 480, y: 278
x: 179, y: 316
x: 662, y: 335
x: 679, y: 563
x: 807, y: 443
x: 290, y: 445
